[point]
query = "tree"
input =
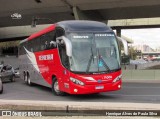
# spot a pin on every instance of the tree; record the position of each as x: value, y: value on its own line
x: 132, y: 53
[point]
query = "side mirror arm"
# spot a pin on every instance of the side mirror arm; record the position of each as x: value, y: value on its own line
x: 125, y: 45
x: 67, y: 43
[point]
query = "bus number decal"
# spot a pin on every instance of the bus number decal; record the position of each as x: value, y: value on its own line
x: 46, y: 57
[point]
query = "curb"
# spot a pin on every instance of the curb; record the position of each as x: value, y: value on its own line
x: 140, y: 81
x: 66, y: 106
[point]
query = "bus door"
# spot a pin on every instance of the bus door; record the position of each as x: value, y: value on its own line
x: 64, y: 59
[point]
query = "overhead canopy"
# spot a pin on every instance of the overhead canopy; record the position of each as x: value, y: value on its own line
x: 59, y: 10
x: 16, y: 16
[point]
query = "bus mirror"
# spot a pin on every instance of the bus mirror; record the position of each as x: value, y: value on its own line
x: 125, y: 45
x: 53, y: 44
x: 67, y: 43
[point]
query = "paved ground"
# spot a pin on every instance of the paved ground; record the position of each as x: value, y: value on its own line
x: 131, y: 92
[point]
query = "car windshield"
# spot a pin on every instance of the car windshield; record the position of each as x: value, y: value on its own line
x: 1, y: 67
x: 94, y: 52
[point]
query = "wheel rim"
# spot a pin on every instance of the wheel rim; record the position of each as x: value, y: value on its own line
x: 56, y: 87
x: 29, y: 81
x: 25, y: 78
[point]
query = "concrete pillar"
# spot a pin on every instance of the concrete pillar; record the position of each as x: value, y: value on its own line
x: 79, y: 15
x: 89, y: 15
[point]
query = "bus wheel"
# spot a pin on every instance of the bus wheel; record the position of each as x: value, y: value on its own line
x: 25, y: 77
x: 55, y: 88
x: 1, y: 90
x: 29, y: 80
x: 1, y: 87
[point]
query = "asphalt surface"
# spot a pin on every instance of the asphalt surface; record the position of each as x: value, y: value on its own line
x: 130, y: 92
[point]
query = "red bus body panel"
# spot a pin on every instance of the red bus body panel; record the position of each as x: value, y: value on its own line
x: 53, y: 67
x: 49, y: 64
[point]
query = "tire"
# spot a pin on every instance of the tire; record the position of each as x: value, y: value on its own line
x: 29, y: 80
x: 13, y: 79
x: 25, y: 77
x: 1, y: 90
x: 55, y: 88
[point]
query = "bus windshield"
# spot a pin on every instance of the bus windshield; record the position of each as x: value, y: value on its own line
x: 94, y: 52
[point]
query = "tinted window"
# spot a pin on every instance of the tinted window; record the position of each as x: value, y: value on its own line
x: 49, y: 41
x: 8, y: 67
x: 43, y: 42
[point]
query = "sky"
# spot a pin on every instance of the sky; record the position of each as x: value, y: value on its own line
x: 150, y: 36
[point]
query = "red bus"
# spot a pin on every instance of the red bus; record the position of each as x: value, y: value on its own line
x: 75, y: 57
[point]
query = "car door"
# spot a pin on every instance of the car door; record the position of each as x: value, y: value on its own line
x: 3, y: 72
x: 9, y: 72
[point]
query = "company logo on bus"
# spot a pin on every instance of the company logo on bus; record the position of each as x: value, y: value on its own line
x: 99, y: 35
x: 16, y: 16
x: 99, y: 81
x: 46, y: 57
x: 80, y: 36
x: 107, y: 77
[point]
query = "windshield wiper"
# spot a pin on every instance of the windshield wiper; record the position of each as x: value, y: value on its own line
x: 103, y: 62
x: 90, y: 60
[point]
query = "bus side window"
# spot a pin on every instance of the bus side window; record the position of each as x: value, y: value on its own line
x: 59, y: 32
x: 36, y: 43
x: 46, y: 45
x: 50, y: 40
x: 42, y: 42
x: 52, y: 44
x: 30, y: 47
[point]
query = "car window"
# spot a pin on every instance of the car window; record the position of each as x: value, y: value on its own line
x: 4, y: 68
x: 1, y: 66
x: 8, y: 67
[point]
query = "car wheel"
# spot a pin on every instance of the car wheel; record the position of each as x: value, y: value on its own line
x: 1, y: 87
x: 55, y: 88
x: 13, y: 79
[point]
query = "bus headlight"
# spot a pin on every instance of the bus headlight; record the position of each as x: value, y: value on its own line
x: 76, y: 81
x: 117, y: 78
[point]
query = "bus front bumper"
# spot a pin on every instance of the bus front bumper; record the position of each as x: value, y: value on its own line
x: 91, y: 89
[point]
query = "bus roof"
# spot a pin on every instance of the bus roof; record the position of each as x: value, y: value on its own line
x: 74, y: 25
x: 83, y: 25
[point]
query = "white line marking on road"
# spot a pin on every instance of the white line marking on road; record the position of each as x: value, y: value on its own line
x: 134, y: 95
x: 141, y: 87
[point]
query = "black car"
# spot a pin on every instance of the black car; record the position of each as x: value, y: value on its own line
x: 7, y: 73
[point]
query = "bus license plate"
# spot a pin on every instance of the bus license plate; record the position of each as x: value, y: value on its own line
x: 99, y: 87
